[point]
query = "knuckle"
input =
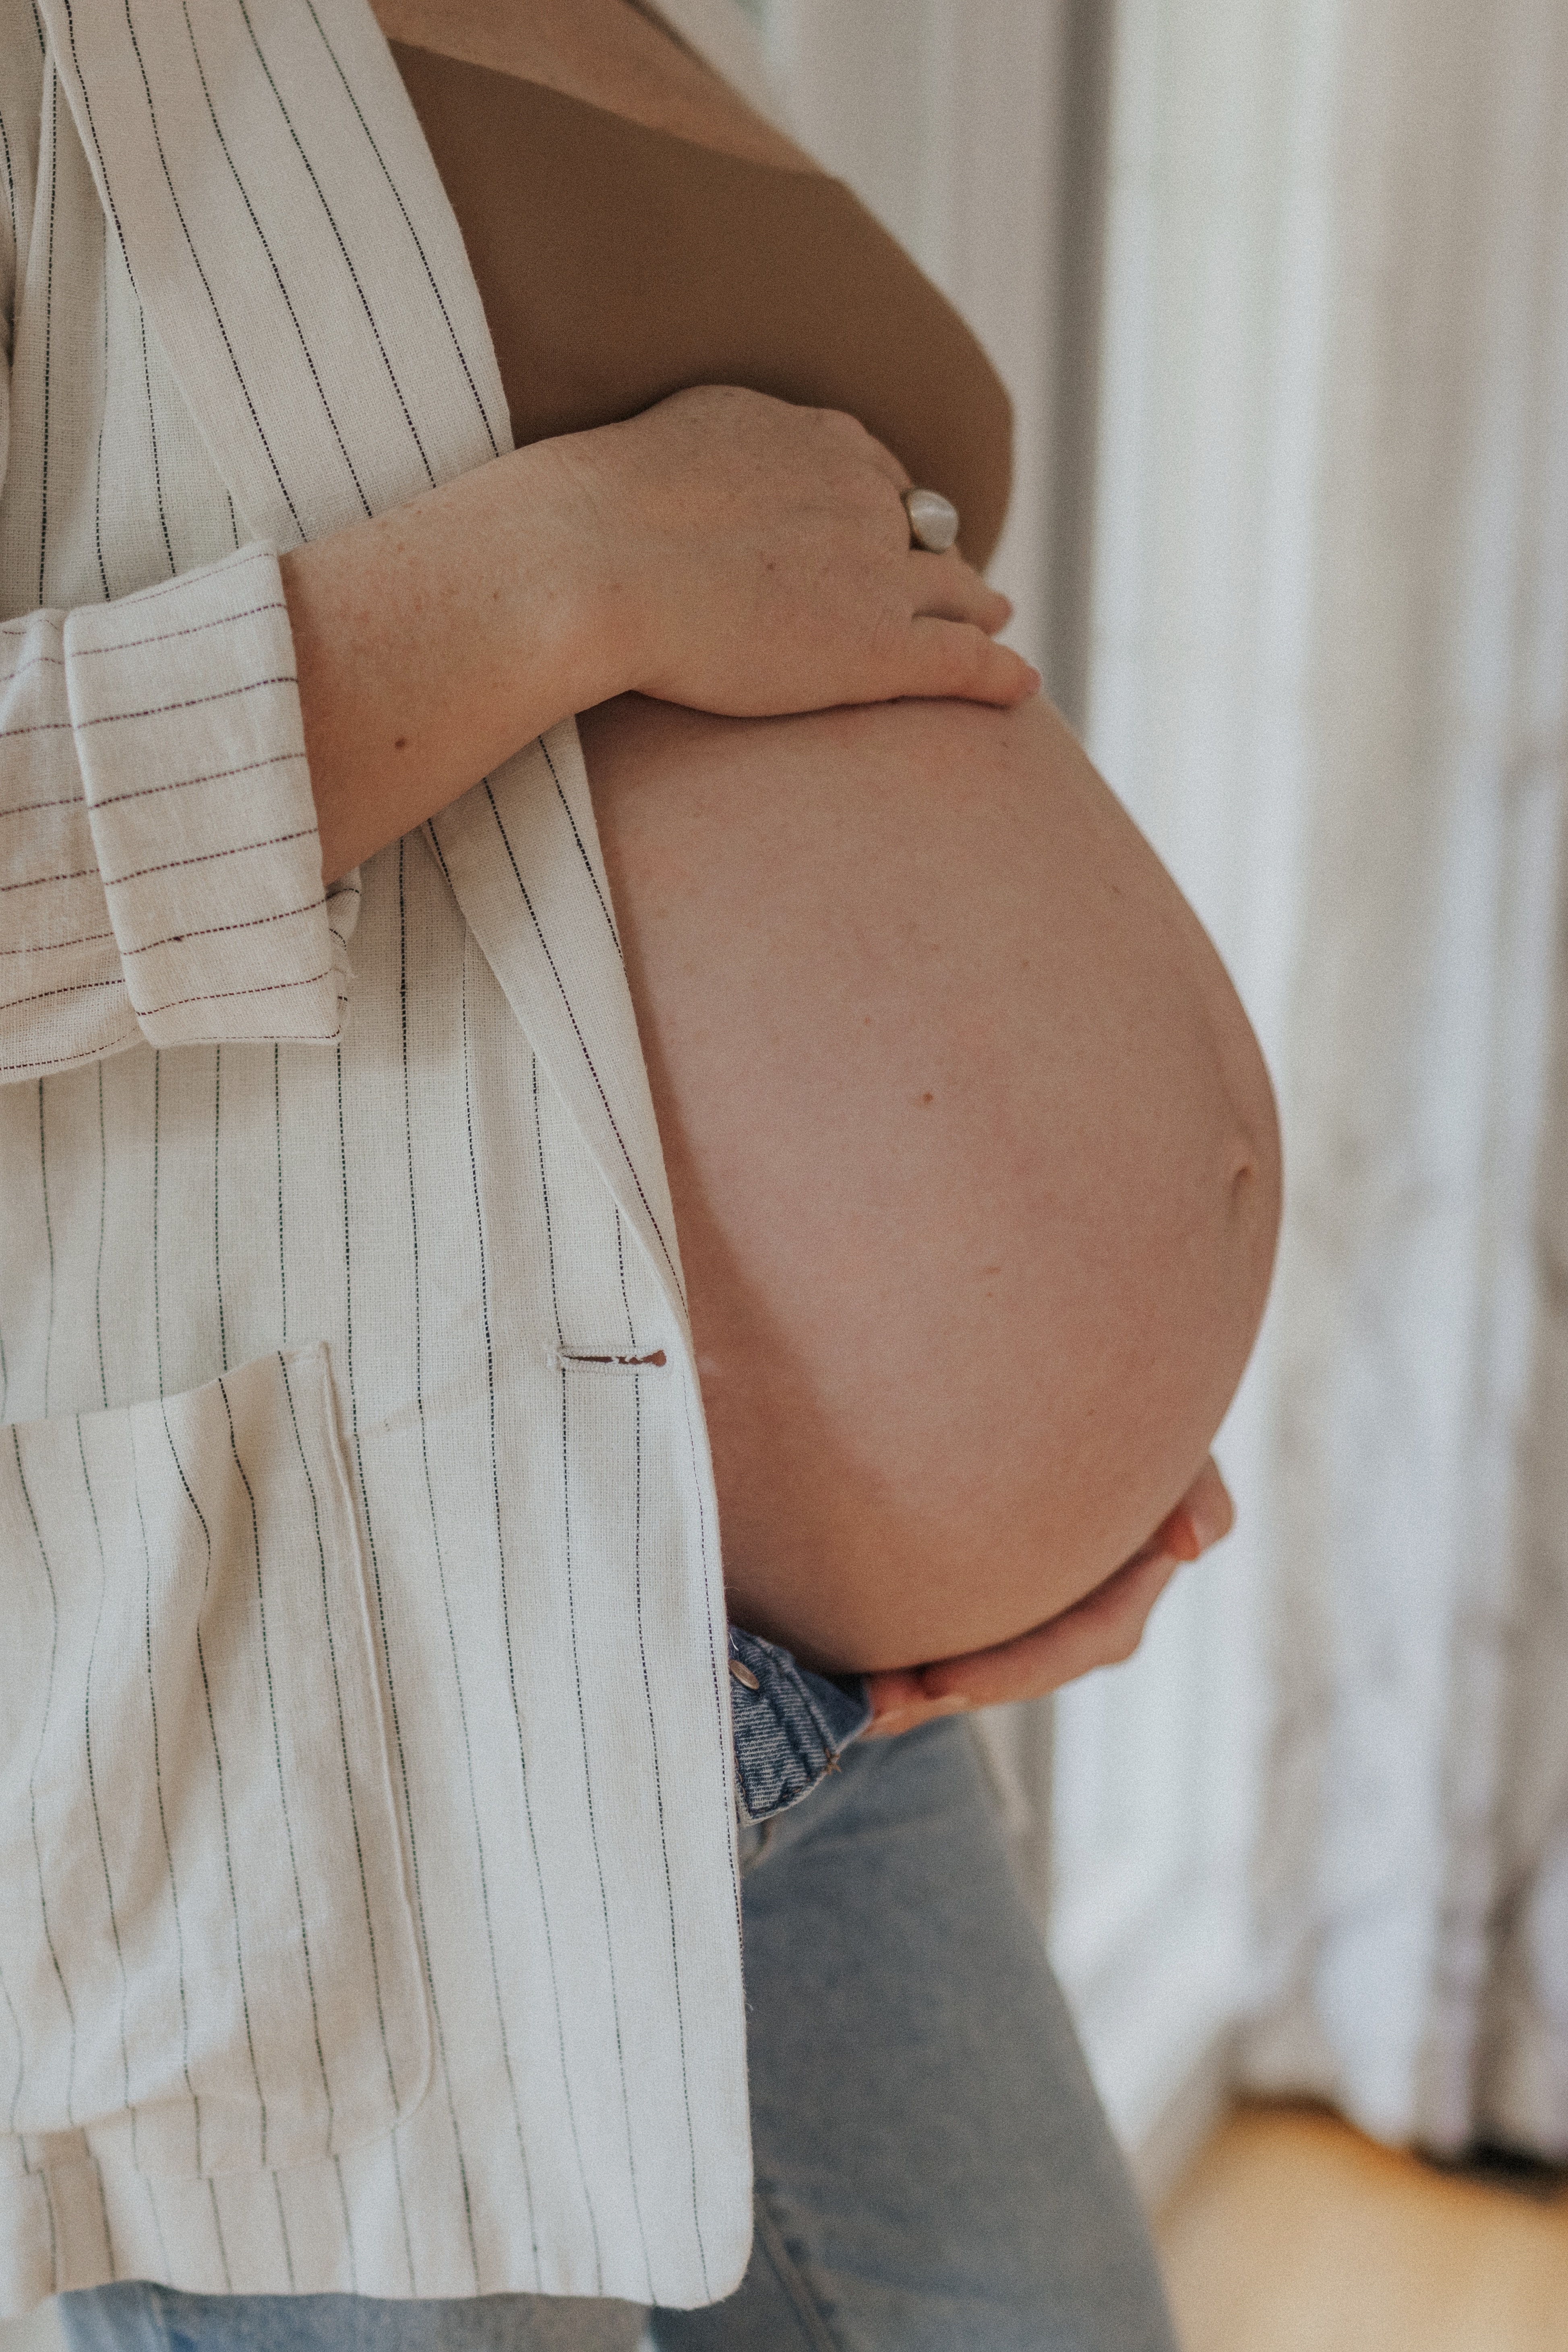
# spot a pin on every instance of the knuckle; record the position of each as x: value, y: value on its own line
x: 835, y: 425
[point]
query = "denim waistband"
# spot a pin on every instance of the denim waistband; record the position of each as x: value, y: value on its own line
x: 790, y: 1725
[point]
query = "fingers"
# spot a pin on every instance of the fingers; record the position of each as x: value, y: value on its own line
x: 1102, y: 1631
x: 898, y: 1704
x: 1106, y: 1627
x: 1205, y: 1515
x: 880, y: 456
x: 772, y: 570
x: 946, y: 588
x: 1210, y: 1513
x: 886, y: 1724
x: 958, y: 659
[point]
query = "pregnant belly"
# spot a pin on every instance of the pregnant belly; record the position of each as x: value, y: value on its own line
x: 972, y: 1154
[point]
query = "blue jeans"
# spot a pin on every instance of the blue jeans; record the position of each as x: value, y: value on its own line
x: 934, y: 2173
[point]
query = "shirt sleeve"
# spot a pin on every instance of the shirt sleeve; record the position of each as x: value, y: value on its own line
x: 160, y: 863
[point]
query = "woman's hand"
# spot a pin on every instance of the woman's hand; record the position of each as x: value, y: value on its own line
x: 723, y: 550
x: 1101, y: 1630
x: 761, y: 552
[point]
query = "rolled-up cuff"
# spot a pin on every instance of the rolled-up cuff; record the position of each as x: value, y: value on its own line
x: 184, y: 707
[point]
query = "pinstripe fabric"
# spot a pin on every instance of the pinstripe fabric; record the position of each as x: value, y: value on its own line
x: 367, y: 1905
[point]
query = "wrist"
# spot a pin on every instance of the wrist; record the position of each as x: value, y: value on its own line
x: 434, y: 641
x: 611, y: 607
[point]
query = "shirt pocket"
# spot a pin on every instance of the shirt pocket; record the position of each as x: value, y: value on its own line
x: 205, y: 1938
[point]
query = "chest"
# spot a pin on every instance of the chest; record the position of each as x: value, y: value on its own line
x: 608, y: 53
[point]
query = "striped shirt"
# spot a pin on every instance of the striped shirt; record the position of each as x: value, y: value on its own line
x: 368, y: 1916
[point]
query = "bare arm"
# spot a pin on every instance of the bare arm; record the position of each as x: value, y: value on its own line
x: 725, y: 550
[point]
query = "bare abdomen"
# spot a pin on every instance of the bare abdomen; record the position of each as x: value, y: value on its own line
x: 972, y: 1154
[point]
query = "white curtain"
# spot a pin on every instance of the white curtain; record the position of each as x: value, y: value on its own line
x: 1331, y: 675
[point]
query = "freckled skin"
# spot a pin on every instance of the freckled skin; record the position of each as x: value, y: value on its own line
x: 957, y: 1367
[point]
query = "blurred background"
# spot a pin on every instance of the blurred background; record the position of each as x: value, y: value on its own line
x: 1280, y: 291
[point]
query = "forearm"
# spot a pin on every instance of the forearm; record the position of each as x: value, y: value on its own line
x: 434, y: 641
x: 723, y: 550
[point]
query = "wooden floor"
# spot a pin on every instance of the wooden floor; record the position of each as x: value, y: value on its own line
x: 1291, y: 2233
